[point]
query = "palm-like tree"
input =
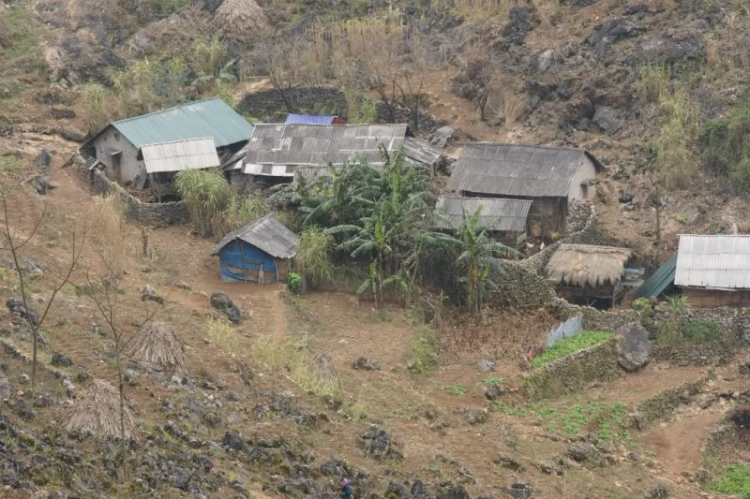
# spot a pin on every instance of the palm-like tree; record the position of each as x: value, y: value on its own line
x: 479, y: 260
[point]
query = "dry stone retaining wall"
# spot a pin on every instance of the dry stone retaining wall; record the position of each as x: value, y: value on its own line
x: 154, y: 214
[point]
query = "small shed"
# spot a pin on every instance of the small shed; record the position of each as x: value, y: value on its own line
x: 261, y: 251
x: 714, y: 271
x: 590, y: 273
x: 552, y: 177
x: 506, y: 219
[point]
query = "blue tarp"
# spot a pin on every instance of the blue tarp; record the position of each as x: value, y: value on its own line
x: 243, y: 262
x: 306, y: 119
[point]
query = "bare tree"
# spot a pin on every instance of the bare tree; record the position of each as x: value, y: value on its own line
x: 290, y: 65
x: 14, y: 245
x: 106, y: 293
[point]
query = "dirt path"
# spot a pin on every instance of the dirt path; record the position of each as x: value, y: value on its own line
x: 678, y: 446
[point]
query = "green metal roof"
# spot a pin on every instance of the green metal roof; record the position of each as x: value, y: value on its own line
x: 659, y: 280
x: 207, y: 118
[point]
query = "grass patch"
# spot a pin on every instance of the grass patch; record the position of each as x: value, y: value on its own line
x: 458, y: 390
x: 504, y: 408
x: 606, y: 420
x: 701, y: 331
x: 424, y: 351
x: 493, y: 381
x: 734, y: 479
x: 298, y: 360
x: 571, y: 345
x: 221, y: 334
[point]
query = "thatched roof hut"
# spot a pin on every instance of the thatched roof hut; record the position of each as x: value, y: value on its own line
x: 157, y: 344
x: 97, y: 412
x: 240, y: 17
x: 585, y: 265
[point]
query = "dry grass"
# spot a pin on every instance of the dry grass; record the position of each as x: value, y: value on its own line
x: 97, y: 412
x: 221, y: 334
x: 585, y: 265
x: 302, y: 365
x: 240, y: 17
x: 110, y: 231
x: 158, y: 344
x: 652, y: 84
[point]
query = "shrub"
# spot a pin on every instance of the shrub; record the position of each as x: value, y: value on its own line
x: 726, y: 145
x: 643, y: 306
x: 424, y: 351
x: 734, y: 480
x: 293, y: 282
x: 652, y: 84
x: 220, y: 332
x: 701, y: 331
x: 679, y: 118
x: 94, y: 98
x: 207, y: 196
x: 571, y: 345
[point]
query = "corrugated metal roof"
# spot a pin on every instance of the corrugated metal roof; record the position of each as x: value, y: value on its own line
x: 497, y: 213
x: 517, y: 170
x: 207, y: 118
x: 317, y: 145
x: 659, y: 280
x: 718, y: 262
x: 421, y: 152
x: 266, y: 234
x: 308, y: 119
x: 193, y: 154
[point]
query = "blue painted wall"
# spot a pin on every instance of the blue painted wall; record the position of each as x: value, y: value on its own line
x: 240, y: 261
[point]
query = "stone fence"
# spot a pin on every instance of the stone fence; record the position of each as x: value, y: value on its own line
x: 154, y: 214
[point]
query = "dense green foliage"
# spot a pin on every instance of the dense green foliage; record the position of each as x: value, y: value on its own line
x: 244, y: 209
x: 293, y: 282
x: 701, y: 331
x: 734, y: 480
x: 207, y: 195
x: 424, y: 351
x: 313, y: 257
x: 571, y: 345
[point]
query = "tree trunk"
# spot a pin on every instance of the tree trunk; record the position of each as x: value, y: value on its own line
x: 121, y: 387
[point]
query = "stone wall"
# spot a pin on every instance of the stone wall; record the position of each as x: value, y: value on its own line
x: 663, y: 405
x: 268, y: 105
x: 572, y: 373
x: 593, y: 319
x: 154, y: 214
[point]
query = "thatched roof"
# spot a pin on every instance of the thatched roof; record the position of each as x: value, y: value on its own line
x: 586, y: 265
x: 157, y: 344
x: 240, y: 17
x: 97, y: 412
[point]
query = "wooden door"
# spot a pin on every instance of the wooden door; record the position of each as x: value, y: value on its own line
x: 117, y: 167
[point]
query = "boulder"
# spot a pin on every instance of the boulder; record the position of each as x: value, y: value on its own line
x: 442, y: 136
x: 7, y: 389
x: 221, y: 301
x: 607, y: 34
x: 17, y: 309
x: 542, y: 61
x: 476, y: 417
x: 671, y: 48
x: 42, y: 184
x: 73, y: 134
x: 149, y: 293
x: 633, y: 348
x: 521, y: 20
x: 508, y: 462
x: 519, y: 490
x: 61, y: 360
x: 659, y: 491
x: 585, y: 453
x: 485, y: 366
x: 363, y: 364
x: 43, y: 159
x: 608, y: 119
x: 233, y: 440
x: 376, y: 442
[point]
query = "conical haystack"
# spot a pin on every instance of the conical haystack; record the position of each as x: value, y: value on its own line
x: 240, y: 17
x: 157, y: 344
x: 97, y: 412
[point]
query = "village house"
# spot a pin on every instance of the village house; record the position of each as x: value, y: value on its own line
x: 277, y: 153
x: 505, y: 219
x: 593, y: 275
x: 550, y: 177
x: 146, y: 151
x: 261, y: 251
x: 714, y: 271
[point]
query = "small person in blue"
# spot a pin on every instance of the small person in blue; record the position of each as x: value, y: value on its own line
x: 346, y: 489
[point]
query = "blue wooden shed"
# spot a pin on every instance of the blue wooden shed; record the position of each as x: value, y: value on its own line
x: 260, y: 251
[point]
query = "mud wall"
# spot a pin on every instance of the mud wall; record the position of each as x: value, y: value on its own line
x: 572, y: 373
x: 154, y: 214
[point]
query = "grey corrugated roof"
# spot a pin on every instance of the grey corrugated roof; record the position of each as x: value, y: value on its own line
x: 718, y: 262
x: 206, y: 118
x: 517, y: 170
x: 266, y: 234
x: 421, y: 152
x: 316, y: 145
x: 193, y: 154
x: 497, y: 213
